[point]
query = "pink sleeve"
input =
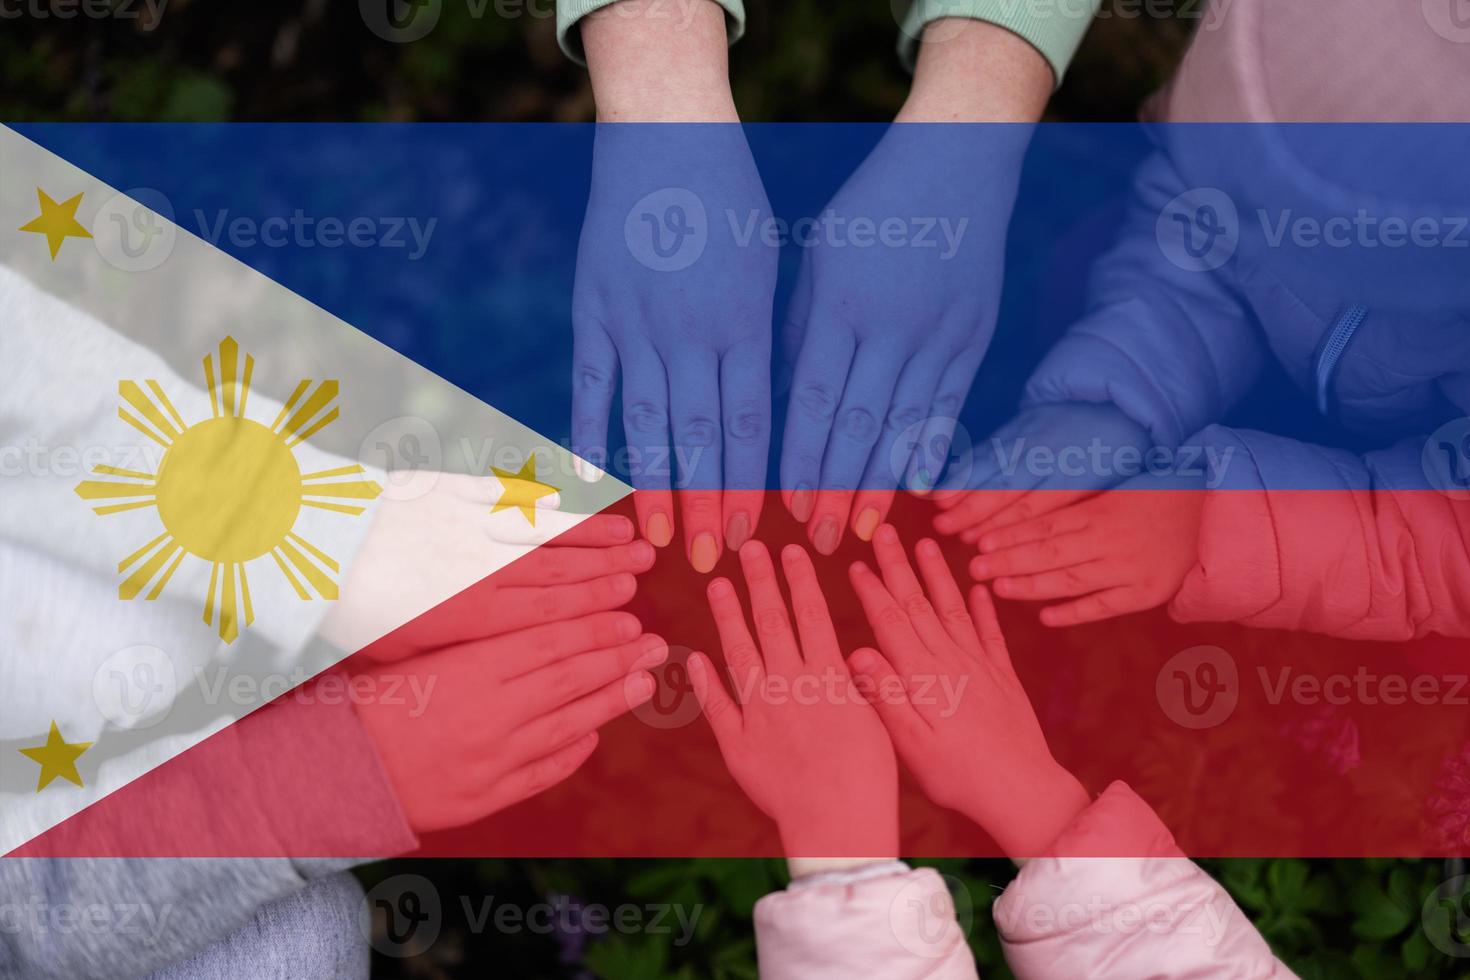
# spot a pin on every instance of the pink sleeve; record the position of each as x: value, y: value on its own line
x: 1316, y: 539
x: 898, y: 926
x: 1154, y: 913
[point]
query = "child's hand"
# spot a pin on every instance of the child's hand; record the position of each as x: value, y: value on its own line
x: 801, y: 741
x: 1123, y: 551
x: 481, y: 726
x: 947, y: 693
x: 1047, y: 457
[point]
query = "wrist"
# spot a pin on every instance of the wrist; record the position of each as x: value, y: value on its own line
x: 1026, y: 817
x: 974, y: 71
x: 647, y: 67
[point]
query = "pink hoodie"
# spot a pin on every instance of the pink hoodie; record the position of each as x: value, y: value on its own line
x: 1069, y: 915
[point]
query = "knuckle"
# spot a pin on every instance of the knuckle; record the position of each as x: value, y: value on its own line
x: 948, y: 404
x: 811, y: 614
x: 817, y: 399
x: 743, y: 653
x: 547, y: 605
x: 645, y: 416
x: 900, y: 417
x: 891, y: 615
x: 954, y: 611
x: 858, y: 424
x: 746, y: 423
x: 916, y: 605
x: 770, y: 622
x: 699, y: 430
x: 592, y: 377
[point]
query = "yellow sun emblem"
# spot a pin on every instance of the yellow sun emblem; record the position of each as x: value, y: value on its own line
x: 228, y: 490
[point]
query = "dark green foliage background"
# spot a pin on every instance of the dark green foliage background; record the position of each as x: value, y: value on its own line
x: 803, y: 60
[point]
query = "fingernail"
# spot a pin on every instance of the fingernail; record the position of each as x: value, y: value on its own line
x: 719, y: 588
x: 737, y: 532
x: 862, y: 660
x: 827, y: 536
x: 624, y: 530
x: 801, y: 502
x: 888, y: 534
x: 656, y: 652
x: 866, y: 524
x: 659, y: 532
x: 628, y: 627
x: 944, y: 524
x: 586, y: 472
x: 642, y: 553
x: 640, y: 688
x: 979, y: 568
x: 704, y: 553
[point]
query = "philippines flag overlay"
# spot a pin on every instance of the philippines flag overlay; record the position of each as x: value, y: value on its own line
x: 550, y: 490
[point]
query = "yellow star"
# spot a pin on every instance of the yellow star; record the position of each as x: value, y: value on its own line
x: 57, y: 222
x: 521, y: 490
x: 57, y: 757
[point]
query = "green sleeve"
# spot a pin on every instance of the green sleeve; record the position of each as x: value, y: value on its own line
x: 1054, y: 27
x: 569, y: 12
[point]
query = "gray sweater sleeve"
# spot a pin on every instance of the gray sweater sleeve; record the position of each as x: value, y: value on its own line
x: 120, y: 916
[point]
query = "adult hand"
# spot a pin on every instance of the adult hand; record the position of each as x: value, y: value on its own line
x: 676, y: 275
x: 420, y: 552
x: 1123, y: 551
x: 499, y: 720
x: 894, y: 308
x: 801, y: 740
x: 976, y: 746
x: 1047, y: 457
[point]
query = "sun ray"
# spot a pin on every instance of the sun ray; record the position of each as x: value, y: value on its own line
x: 118, y: 471
x: 245, y: 391
x: 285, y: 570
x: 106, y: 489
x: 339, y: 471
x: 290, y: 403
x: 122, y: 566
x: 168, y: 573
x: 317, y: 578
x: 158, y: 393
x: 119, y: 508
x: 134, y: 583
x: 319, y: 399
x: 137, y: 423
x: 229, y: 624
x: 209, y: 597
x: 209, y: 383
x: 315, y: 427
x: 245, y: 595
x: 229, y: 361
x: 135, y: 397
x: 315, y: 552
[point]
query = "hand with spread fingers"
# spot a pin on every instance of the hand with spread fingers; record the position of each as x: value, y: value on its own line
x: 1123, y: 551
x: 950, y: 698
x: 799, y: 737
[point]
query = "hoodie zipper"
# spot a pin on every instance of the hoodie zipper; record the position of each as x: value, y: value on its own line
x: 1337, y: 341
